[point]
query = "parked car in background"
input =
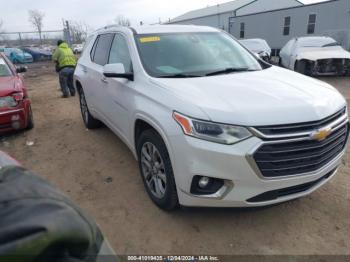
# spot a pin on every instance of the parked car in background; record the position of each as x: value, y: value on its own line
x: 39, y: 54
x: 77, y: 48
x: 210, y: 124
x: 315, y: 56
x: 259, y: 47
x: 18, y: 56
x: 2, y: 48
x: 15, y: 106
x: 48, y: 48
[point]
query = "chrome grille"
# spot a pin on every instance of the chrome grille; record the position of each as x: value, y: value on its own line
x: 287, y: 153
x: 302, y: 127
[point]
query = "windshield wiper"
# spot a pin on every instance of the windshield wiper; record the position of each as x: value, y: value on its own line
x: 179, y: 76
x: 229, y: 70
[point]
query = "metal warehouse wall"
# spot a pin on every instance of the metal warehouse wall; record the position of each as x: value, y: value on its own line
x: 266, y: 5
x: 218, y: 21
x: 333, y: 18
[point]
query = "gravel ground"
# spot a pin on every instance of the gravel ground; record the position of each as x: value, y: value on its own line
x: 97, y: 171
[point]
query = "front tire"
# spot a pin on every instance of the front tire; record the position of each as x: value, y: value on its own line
x: 89, y: 121
x: 30, y: 121
x: 156, y: 170
x: 280, y: 62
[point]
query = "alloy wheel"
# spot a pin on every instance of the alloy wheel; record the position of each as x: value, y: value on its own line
x: 153, y: 170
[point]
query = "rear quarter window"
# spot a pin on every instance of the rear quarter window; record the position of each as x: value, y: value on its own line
x: 101, y: 48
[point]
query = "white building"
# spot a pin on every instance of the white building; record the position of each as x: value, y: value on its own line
x: 276, y: 21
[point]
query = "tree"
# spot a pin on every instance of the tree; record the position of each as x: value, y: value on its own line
x: 1, y: 25
x: 36, y: 19
x: 79, y: 31
x: 2, y: 36
x: 122, y: 21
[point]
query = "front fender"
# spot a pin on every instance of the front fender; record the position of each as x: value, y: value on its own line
x: 156, y: 125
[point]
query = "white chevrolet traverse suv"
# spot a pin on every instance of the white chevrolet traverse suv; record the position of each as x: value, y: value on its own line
x: 210, y: 124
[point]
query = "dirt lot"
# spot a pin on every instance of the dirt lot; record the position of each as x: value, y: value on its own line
x: 97, y: 171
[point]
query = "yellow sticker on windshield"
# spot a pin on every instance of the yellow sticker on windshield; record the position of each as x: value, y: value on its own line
x: 150, y: 39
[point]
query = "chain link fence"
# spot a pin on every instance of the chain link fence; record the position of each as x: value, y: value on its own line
x: 32, y: 39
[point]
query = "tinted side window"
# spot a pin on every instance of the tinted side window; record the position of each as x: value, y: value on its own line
x: 120, y: 53
x: 92, y: 53
x: 102, y: 49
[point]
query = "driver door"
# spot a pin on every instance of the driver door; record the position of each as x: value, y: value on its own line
x: 119, y: 91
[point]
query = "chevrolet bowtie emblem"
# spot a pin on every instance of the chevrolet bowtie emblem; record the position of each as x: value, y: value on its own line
x: 321, y: 134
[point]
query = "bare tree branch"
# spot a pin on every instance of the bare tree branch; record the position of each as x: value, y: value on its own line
x: 2, y: 36
x: 79, y: 31
x: 36, y: 19
x: 1, y: 25
x: 122, y: 21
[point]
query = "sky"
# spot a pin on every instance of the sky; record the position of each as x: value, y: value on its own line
x: 97, y: 13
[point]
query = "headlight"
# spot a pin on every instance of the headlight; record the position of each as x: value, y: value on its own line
x: 8, y: 101
x: 214, y: 132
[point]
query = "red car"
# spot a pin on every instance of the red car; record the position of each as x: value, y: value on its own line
x: 15, y: 106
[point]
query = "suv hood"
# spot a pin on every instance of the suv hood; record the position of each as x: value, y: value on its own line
x: 272, y: 96
x: 314, y: 54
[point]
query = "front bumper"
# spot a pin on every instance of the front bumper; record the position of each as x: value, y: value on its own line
x: 13, y: 119
x: 193, y: 157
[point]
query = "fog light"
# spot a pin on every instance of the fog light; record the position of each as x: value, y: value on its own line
x: 15, y: 118
x: 203, y: 182
x: 203, y: 185
x: 16, y: 125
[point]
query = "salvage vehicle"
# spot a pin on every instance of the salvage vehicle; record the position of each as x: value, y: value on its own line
x: 15, y: 106
x: 39, y: 54
x: 77, y: 48
x: 315, y: 56
x: 258, y: 46
x: 209, y: 123
x: 18, y: 56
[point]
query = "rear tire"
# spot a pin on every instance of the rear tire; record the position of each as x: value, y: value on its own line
x: 89, y: 121
x: 156, y: 170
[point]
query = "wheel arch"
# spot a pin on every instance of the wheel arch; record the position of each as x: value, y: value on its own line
x: 143, y: 122
x: 78, y: 85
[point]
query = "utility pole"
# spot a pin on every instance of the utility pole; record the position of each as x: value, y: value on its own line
x: 20, y: 39
x: 66, y: 32
x: 69, y: 40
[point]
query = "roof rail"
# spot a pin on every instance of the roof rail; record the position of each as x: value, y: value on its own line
x: 107, y: 27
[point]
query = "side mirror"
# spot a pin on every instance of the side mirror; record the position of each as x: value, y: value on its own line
x: 117, y: 71
x: 21, y: 69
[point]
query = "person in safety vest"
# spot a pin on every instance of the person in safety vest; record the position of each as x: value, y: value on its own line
x: 65, y: 66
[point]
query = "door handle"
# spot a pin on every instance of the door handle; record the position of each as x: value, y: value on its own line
x: 84, y: 69
x: 104, y: 80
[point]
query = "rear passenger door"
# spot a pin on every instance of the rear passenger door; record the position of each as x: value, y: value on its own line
x: 97, y: 82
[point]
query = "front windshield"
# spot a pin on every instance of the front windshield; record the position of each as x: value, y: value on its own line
x: 4, y: 69
x: 193, y: 54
